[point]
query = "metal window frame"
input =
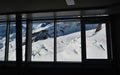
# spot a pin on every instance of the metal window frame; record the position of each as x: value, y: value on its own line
x: 7, y: 39
x: 55, y: 39
x: 83, y: 21
x: 94, y: 20
x: 18, y: 38
x: 28, y: 48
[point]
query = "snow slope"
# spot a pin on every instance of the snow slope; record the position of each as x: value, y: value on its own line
x: 96, y: 44
x: 69, y: 47
x: 68, y: 43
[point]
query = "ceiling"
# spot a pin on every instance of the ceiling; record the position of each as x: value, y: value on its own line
x: 9, y: 6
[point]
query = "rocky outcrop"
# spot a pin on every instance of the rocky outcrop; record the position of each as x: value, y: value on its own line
x: 42, y: 35
x: 99, y: 27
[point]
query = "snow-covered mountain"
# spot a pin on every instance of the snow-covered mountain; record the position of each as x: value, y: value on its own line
x: 96, y: 43
x: 68, y: 42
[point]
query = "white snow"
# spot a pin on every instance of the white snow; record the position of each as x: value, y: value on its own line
x: 68, y: 47
x: 12, y: 50
x: 43, y: 50
x: 96, y: 44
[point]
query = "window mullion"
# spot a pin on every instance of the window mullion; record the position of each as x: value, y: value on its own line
x: 83, y: 40
x: 55, y: 39
x: 7, y: 39
x: 28, y: 39
x: 19, y: 38
x: 109, y: 45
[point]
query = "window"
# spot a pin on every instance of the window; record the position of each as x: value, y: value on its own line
x: 96, y: 41
x: 55, y: 37
x: 68, y: 40
x: 59, y: 39
x: 12, y: 42
x: 42, y: 41
x: 7, y: 38
x: 2, y: 40
x: 23, y: 40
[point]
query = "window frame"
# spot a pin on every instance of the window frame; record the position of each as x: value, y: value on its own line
x: 83, y: 20
x: 95, y: 20
x: 8, y: 19
x: 69, y: 20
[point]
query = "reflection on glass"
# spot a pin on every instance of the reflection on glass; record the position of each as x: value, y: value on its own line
x: 42, y: 41
x: 96, y: 44
x: 2, y: 41
x: 12, y: 42
x: 68, y: 41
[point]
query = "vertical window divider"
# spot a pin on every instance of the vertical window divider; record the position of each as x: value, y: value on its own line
x: 19, y: 38
x: 28, y: 49
x: 83, y: 39
x: 7, y: 39
x: 19, y: 43
x: 109, y: 37
x: 55, y: 38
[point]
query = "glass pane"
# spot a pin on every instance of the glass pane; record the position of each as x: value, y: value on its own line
x: 12, y: 42
x: 68, y: 41
x: 23, y: 39
x: 42, y: 41
x: 96, y: 44
x: 2, y: 41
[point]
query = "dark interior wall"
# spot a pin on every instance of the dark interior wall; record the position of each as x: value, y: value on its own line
x: 13, y: 6
x: 115, y: 30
